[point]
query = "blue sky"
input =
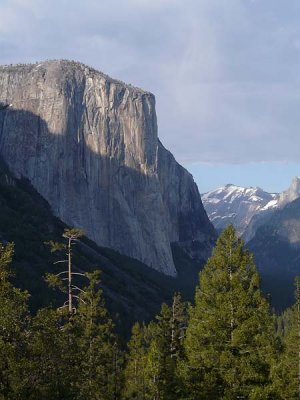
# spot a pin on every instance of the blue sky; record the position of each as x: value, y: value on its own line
x: 226, y: 73
x: 265, y: 175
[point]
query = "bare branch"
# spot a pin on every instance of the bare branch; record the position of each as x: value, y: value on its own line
x: 78, y: 273
x: 63, y: 272
x: 79, y: 298
x: 77, y: 288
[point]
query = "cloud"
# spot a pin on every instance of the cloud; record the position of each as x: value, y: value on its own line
x: 225, y: 73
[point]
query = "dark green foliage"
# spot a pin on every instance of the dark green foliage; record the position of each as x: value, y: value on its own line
x: 52, y: 356
x: 225, y: 350
x: 287, y: 372
x: 135, y: 378
x: 74, y: 356
x: 154, y: 352
x: 230, y: 341
x: 99, y: 358
x: 14, y: 320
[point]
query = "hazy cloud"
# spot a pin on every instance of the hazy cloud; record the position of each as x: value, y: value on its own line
x: 226, y: 73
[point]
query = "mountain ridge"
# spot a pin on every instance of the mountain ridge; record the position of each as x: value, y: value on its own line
x: 246, y: 208
x: 235, y: 204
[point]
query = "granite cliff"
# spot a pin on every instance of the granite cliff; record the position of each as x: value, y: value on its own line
x: 89, y: 145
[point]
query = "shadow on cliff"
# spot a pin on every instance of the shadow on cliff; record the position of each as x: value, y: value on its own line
x: 73, y: 178
x: 53, y: 163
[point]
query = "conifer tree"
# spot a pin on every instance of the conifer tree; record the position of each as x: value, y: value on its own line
x: 153, y: 354
x: 53, y: 356
x: 229, y: 342
x: 99, y: 356
x: 64, y: 279
x: 166, y: 349
x: 178, y: 322
x: 91, y: 347
x: 155, y: 367
x: 287, y: 372
x: 76, y: 356
x: 14, y: 325
x: 135, y: 380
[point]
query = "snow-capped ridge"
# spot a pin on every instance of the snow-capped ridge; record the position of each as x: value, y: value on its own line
x: 238, y: 205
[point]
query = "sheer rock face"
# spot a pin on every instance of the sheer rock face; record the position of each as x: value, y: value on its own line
x: 89, y: 145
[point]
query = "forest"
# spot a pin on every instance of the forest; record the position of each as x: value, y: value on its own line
x: 227, y: 344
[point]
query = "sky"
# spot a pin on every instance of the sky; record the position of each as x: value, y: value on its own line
x: 225, y: 73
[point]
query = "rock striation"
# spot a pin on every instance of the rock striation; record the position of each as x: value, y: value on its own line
x: 89, y: 145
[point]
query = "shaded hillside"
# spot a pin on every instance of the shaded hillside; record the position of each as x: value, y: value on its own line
x: 276, y: 246
x: 133, y: 291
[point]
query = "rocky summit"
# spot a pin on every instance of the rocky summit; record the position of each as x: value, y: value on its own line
x: 89, y: 145
x: 246, y: 208
x: 236, y: 205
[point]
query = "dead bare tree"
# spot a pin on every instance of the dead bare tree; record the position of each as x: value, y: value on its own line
x: 56, y: 280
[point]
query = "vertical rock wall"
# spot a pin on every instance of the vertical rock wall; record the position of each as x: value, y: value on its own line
x: 89, y: 145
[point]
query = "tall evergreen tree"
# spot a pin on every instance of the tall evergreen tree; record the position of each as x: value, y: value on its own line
x: 153, y: 354
x: 99, y: 356
x: 14, y: 319
x: 230, y: 336
x: 287, y: 372
x: 178, y: 327
x: 91, y: 351
x: 135, y: 380
x: 53, y: 356
x: 64, y: 279
x: 76, y: 356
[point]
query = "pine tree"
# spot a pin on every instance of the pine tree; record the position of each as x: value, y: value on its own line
x: 76, y: 356
x: 178, y: 326
x: 14, y: 326
x: 99, y: 356
x: 153, y: 354
x: 287, y: 372
x: 166, y: 348
x: 135, y: 380
x: 230, y: 336
x: 64, y: 279
x: 155, y: 368
x: 53, y: 356
x: 91, y: 351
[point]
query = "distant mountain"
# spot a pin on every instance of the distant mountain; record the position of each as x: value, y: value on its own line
x: 276, y: 247
x: 246, y: 208
x: 236, y: 205
x: 270, y: 224
x: 291, y: 194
